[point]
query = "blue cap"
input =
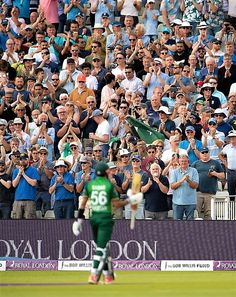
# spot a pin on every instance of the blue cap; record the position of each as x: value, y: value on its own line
x: 136, y: 157
x: 118, y: 24
x: 105, y: 15
x: 212, y: 120
x: 165, y: 29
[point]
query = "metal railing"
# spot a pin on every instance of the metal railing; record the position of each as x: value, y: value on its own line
x: 222, y: 208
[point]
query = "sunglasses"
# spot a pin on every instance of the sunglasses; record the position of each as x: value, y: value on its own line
x: 186, y: 71
x: 60, y: 166
x: 95, y: 151
x: 89, y: 153
x: 124, y: 156
x: 204, y: 153
x: 219, y: 115
x: 93, y: 46
x: 83, y: 163
x: 20, y: 109
x: 80, y: 81
x: 17, y: 124
x: 90, y: 102
x: 212, y: 124
x: 45, y: 154
x: 160, y: 146
x: 96, y: 60
x: 119, y: 58
x: 164, y: 53
x: 73, y: 148
x: 70, y: 138
x: 185, y: 27
x: 128, y: 72
x: 135, y: 161
x: 165, y: 33
x: 207, y: 89
x: 132, y: 39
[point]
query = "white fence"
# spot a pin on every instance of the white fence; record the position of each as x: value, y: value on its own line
x: 222, y: 208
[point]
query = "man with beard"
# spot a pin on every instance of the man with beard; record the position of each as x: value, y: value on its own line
x: 24, y: 180
x: 19, y: 89
x: 5, y: 198
x: 181, y: 54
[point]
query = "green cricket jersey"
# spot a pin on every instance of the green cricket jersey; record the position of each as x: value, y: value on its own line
x: 100, y: 191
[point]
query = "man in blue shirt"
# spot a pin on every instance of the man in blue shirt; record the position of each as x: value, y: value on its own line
x: 25, y: 179
x: 184, y: 182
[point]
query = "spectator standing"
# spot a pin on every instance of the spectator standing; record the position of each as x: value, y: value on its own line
x: 227, y: 156
x: 45, y: 170
x: 155, y: 194
x: 209, y: 172
x: 5, y: 197
x: 62, y: 184
x: 24, y: 180
x: 184, y: 182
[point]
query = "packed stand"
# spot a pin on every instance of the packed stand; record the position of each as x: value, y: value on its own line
x: 146, y: 86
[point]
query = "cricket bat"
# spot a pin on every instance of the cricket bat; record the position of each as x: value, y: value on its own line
x: 136, y: 185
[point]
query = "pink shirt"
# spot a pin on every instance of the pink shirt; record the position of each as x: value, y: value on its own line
x: 50, y: 9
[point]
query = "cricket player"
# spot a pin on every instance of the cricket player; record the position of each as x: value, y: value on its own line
x: 102, y: 195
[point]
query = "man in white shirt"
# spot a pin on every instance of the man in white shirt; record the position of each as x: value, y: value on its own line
x: 131, y: 82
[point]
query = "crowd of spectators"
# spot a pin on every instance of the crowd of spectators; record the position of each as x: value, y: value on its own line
x: 72, y: 74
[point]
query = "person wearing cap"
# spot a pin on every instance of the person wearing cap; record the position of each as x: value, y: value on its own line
x: 123, y: 161
x: 213, y: 139
x: 165, y: 125
x: 166, y: 40
x: 184, y: 181
x: 62, y: 184
x: 102, y: 195
x: 150, y: 19
x: 24, y: 179
x: 26, y: 68
x: 68, y: 77
x: 227, y: 157
x: 222, y: 125
x: 45, y: 170
x: 155, y: 77
x: 127, y: 183
x: 85, y: 175
x: 79, y: 94
x: 5, y: 197
x: 213, y: 81
x: 23, y: 137
x: 103, y: 132
x: 191, y: 144
x: 209, y: 171
x: 106, y: 23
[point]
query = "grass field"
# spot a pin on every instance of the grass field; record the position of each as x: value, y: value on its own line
x: 127, y: 284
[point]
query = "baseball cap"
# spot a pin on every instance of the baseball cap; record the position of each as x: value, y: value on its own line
x: 4, y: 22
x: 117, y: 24
x: 111, y: 165
x: 74, y: 143
x: 164, y: 109
x: 24, y: 156
x: 80, y: 14
x: 105, y: 15
x: 204, y: 150
x: 190, y: 128
x: 43, y: 148
x: 215, y: 40
x: 81, y: 77
x: 101, y: 168
x: 3, y: 122
x: 70, y: 61
x: 165, y: 29
x: 136, y: 157
x: 28, y: 28
x: 97, y: 57
x: 212, y: 120
x: 84, y: 159
x: 157, y: 60
x: 31, y: 78
x: 124, y: 152
x: 96, y: 112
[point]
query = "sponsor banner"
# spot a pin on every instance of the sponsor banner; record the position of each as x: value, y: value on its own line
x: 75, y: 265
x: 225, y: 265
x: 149, y: 241
x: 186, y: 265
x: 137, y: 265
x: 2, y: 265
x: 31, y: 265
